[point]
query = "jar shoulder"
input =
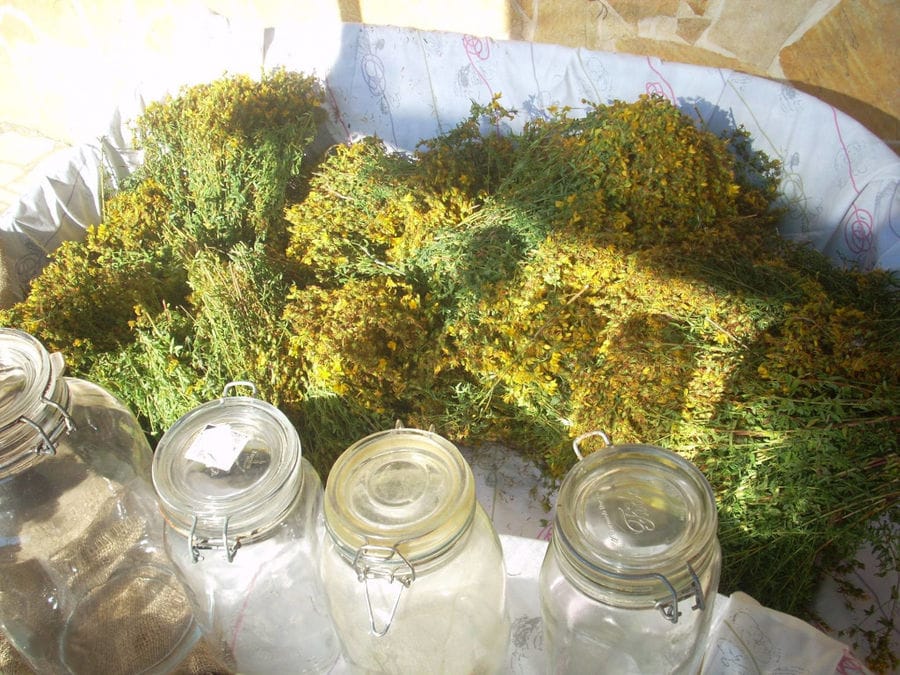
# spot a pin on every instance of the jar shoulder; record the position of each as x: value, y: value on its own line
x: 107, y: 435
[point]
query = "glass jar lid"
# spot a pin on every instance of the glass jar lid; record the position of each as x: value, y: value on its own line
x: 404, y: 491
x: 638, y: 524
x: 227, y: 471
x: 33, y: 400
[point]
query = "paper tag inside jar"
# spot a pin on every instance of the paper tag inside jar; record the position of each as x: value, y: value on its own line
x: 217, y: 446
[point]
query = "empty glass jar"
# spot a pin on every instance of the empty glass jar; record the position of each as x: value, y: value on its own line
x: 244, y: 525
x: 632, y: 570
x: 85, y: 586
x: 413, y: 567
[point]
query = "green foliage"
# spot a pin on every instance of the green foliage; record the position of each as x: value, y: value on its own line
x: 181, y: 288
x: 357, y: 206
x: 618, y: 271
x: 371, y: 339
x: 642, y: 172
x: 85, y: 299
x: 154, y: 373
x: 472, y: 159
x: 236, y: 308
x: 226, y: 153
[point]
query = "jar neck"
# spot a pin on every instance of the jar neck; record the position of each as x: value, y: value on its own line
x: 661, y: 589
x: 234, y: 523
x: 215, y: 535
x: 398, y: 500
x: 397, y: 561
x: 34, y: 422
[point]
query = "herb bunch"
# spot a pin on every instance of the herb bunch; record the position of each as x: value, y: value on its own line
x: 619, y: 269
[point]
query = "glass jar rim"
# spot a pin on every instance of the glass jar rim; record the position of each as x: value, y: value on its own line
x: 245, y: 489
x: 637, y: 523
x: 398, y: 498
x: 33, y: 400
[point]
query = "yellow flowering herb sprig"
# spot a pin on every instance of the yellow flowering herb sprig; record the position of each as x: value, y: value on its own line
x: 641, y: 169
x: 227, y: 153
x: 371, y: 339
x: 84, y: 301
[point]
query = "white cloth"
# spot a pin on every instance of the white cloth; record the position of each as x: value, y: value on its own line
x: 749, y: 639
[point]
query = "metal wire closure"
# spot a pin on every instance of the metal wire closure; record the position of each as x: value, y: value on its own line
x: 47, y: 425
x: 196, y: 544
x: 370, y: 562
x: 239, y: 383
x: 232, y: 549
x: 577, y: 442
x: 669, y: 608
x: 47, y: 446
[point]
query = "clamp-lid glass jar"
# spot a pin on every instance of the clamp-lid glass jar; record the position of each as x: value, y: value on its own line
x: 244, y: 525
x: 85, y: 586
x: 413, y: 568
x: 632, y: 570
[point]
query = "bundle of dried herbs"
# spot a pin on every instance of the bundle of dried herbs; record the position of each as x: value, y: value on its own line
x: 618, y: 269
x: 226, y: 154
x: 84, y: 301
x: 182, y: 286
x: 623, y: 271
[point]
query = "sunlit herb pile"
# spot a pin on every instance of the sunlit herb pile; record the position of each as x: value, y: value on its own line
x: 615, y: 269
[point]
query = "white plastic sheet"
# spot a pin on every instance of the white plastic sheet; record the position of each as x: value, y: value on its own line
x: 749, y: 638
x: 840, y: 181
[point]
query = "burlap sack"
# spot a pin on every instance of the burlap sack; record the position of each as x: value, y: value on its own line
x: 201, y: 661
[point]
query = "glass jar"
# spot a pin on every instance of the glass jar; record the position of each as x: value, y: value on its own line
x: 85, y: 586
x: 632, y: 570
x: 244, y: 525
x: 413, y: 568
